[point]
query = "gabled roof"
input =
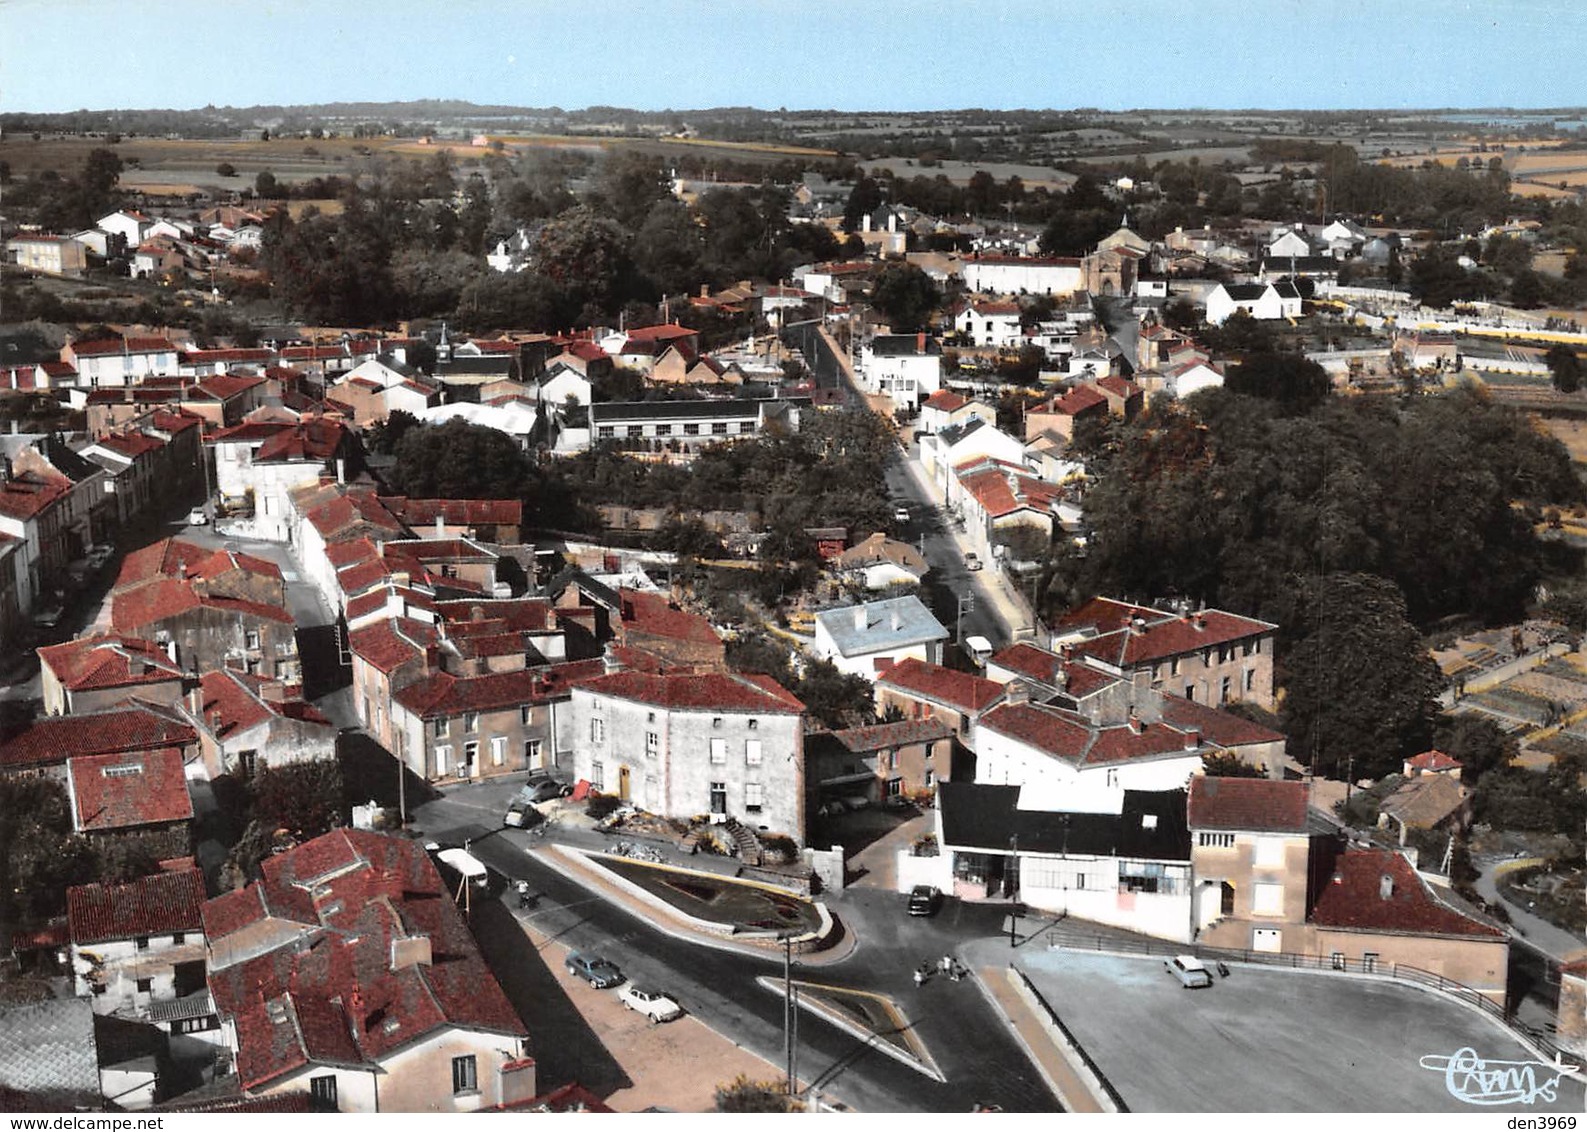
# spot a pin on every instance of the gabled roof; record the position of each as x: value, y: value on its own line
x: 28, y: 494
x: 1425, y: 801
x: 1075, y: 402
x: 389, y: 644
x: 944, y: 400
x: 128, y: 790
x: 885, y: 736
x: 963, y: 691
x: 334, y: 993
x: 153, y: 905
x: 1126, y: 635
x: 232, y: 701
x: 164, y: 598
x: 1377, y: 890
x: 708, y: 691
x: 137, y: 727
x: 1433, y: 761
x: 179, y: 558
x: 1073, y: 738
x: 1247, y: 805
x: 90, y: 663
x: 105, y: 347
x: 654, y: 615
x: 441, y: 694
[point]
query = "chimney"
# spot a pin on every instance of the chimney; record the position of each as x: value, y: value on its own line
x: 1385, y: 886
x: 861, y: 621
x: 1192, y: 738
x: 341, y: 470
x: 1136, y: 726
x: 516, y: 1081
x: 1137, y: 625
x: 1016, y: 692
x: 273, y: 692
x: 195, y: 702
x: 355, y: 1015
x: 898, y: 619
x: 1199, y: 620
x: 1338, y: 877
x: 440, y: 526
x: 920, y: 342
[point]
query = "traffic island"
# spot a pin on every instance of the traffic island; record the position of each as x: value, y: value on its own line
x: 874, y: 1018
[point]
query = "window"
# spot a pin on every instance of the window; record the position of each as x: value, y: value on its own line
x: 248, y: 762
x: 597, y: 731
x: 1223, y: 691
x: 691, y: 430
x: 145, y: 986
x: 464, y: 1078
x: 323, y: 1090
x: 443, y: 755
x: 895, y: 787
x: 652, y: 743
x: 141, y: 943
x: 178, y: 939
x: 1113, y: 778
x: 884, y: 760
x: 1369, y: 961
x: 526, y: 715
x: 753, y: 797
x: 1269, y: 853
x: 650, y: 717
x: 1250, y: 679
x: 498, y: 750
x: 663, y: 430
x: 634, y: 432
x: 470, y: 757
x: 441, y: 728
x: 754, y: 724
x: 604, y: 432
x: 1267, y: 900
x: 1190, y: 692
x: 1215, y: 840
x: 719, y: 750
x: 253, y: 638
x: 470, y: 722
x: 598, y: 775
x: 751, y: 752
x: 531, y: 753
x: 1173, y: 667
x: 716, y: 723
x: 719, y: 428
x: 1337, y: 961
x: 719, y: 797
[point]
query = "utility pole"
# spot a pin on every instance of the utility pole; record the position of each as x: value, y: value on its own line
x: 788, y: 1009
x: 966, y: 604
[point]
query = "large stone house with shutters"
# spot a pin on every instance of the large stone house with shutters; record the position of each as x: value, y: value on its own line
x: 686, y: 745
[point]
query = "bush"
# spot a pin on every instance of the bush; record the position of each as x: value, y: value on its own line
x: 602, y: 805
x: 226, y: 169
x: 743, y: 1095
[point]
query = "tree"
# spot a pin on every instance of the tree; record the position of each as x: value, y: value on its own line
x: 586, y: 256
x: 743, y: 1095
x: 864, y: 198
x: 1295, y: 384
x: 266, y: 185
x: 1476, y: 742
x: 226, y: 169
x: 906, y: 296
x: 1225, y: 765
x: 1359, y: 687
x: 1565, y: 367
x: 305, y: 798
x: 835, y: 699
x: 459, y: 460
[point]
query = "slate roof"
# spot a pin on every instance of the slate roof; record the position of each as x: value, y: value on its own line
x: 47, y: 1051
x: 329, y: 994
x: 977, y: 816
x: 893, y: 623
x: 1247, y: 805
x: 1352, y: 899
x: 127, y: 790
x: 153, y: 905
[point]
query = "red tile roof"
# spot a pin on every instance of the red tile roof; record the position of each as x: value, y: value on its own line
x: 160, y: 904
x: 1250, y: 805
x: 1354, y: 899
x: 1051, y: 670
x: 108, y: 662
x: 1119, y: 386
x: 28, y: 494
x: 899, y: 734
x: 944, y: 400
x: 329, y: 994
x: 1433, y: 761
x: 708, y: 691
x: 1003, y: 493
x: 127, y: 790
x: 164, y: 598
x: 179, y: 558
x: 522, y: 615
x: 104, y: 347
x: 310, y: 440
x: 442, y: 694
x: 963, y: 691
x: 1073, y: 738
x: 1162, y: 635
x: 202, y: 357
x: 234, y: 701
x: 53, y: 739
x: 1220, y: 728
x: 1075, y: 402
x: 654, y: 615
x: 389, y: 644
x: 455, y: 512
x: 132, y: 444
x: 661, y: 333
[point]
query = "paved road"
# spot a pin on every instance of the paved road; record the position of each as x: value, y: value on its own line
x: 966, y: 1037
x: 1534, y: 931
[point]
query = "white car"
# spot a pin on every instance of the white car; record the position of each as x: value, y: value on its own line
x: 198, y: 517
x: 1190, y: 971
x: 651, y: 1003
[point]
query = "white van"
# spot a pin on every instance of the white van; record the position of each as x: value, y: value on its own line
x: 980, y: 650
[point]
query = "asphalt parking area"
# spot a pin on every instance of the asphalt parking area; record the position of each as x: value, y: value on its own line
x: 1270, y: 1040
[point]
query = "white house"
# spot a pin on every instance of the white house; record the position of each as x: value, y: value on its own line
x: 989, y: 322
x: 1193, y: 376
x: 868, y: 639
x: 1257, y: 300
x: 131, y: 227
x: 561, y: 381
x: 515, y: 418
x: 680, y: 745
x: 1289, y: 242
x: 905, y: 367
x: 975, y: 440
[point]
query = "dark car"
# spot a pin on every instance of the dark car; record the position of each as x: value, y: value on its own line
x: 543, y: 788
x: 924, y: 900
x: 599, y: 973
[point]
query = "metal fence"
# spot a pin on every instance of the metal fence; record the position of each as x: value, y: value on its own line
x: 1063, y: 936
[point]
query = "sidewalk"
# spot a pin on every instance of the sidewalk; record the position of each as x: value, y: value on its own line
x: 1033, y: 1034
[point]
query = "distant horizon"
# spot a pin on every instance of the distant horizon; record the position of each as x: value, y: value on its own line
x: 1395, y: 111
x: 1227, y: 56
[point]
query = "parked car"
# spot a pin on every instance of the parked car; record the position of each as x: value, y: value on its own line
x: 198, y: 517
x: 924, y: 899
x: 543, y: 788
x: 901, y: 513
x: 653, y: 1004
x: 99, y: 555
x: 598, y: 972
x: 1190, y: 971
x: 521, y: 814
x: 972, y: 561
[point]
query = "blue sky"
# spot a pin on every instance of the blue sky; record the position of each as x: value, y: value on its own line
x: 1112, y: 54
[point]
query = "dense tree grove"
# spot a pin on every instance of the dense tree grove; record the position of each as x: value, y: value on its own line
x: 1349, y: 522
